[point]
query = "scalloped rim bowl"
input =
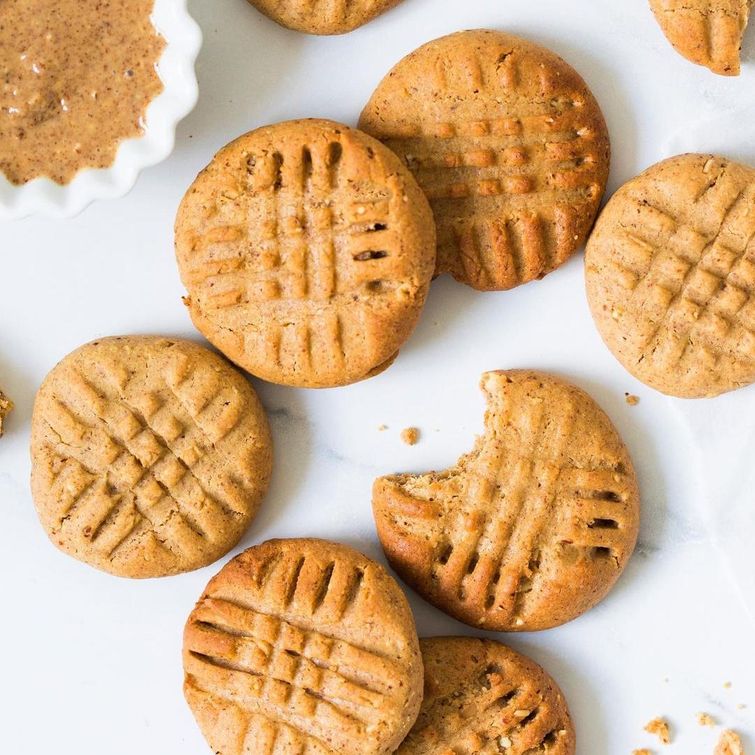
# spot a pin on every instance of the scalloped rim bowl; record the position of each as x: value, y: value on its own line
x: 43, y: 196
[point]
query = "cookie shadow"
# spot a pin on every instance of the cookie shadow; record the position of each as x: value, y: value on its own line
x: 718, y: 135
x: 292, y: 452
x: 747, y: 56
x: 242, y: 68
x: 369, y: 545
x: 448, y: 303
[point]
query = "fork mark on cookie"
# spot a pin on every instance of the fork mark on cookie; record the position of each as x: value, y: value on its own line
x: 483, y: 539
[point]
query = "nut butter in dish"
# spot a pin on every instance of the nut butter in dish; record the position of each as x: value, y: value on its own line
x: 76, y: 77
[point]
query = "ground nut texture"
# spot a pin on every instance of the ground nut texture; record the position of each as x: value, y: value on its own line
x: 76, y: 80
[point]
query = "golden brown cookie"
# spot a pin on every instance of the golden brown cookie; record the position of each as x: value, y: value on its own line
x: 482, y: 698
x: 307, y: 249
x: 509, y: 145
x: 531, y: 528
x: 150, y: 456
x: 707, y: 32
x: 323, y: 16
x: 670, y: 273
x: 302, y: 646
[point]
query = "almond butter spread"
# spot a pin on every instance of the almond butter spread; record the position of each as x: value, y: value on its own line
x: 76, y: 77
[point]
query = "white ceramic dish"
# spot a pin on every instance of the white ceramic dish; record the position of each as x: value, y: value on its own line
x: 43, y: 196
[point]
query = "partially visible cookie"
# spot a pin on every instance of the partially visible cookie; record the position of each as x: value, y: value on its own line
x: 150, y: 456
x: 509, y: 145
x: 670, y: 274
x: 707, y: 32
x: 323, y: 16
x: 482, y: 698
x: 302, y: 646
x: 531, y: 528
x: 307, y: 249
x: 6, y: 406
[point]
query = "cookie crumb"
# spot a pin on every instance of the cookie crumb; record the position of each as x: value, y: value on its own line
x: 382, y: 428
x: 6, y: 405
x: 729, y: 744
x: 410, y: 435
x: 631, y: 399
x: 643, y: 751
x: 659, y: 726
x: 727, y: 685
x: 705, y: 719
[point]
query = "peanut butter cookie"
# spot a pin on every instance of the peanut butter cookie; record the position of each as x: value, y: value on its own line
x: 482, y: 698
x: 707, y: 32
x: 150, y: 456
x: 531, y: 528
x: 323, y: 16
x: 670, y: 273
x: 509, y: 145
x: 302, y: 646
x: 307, y: 249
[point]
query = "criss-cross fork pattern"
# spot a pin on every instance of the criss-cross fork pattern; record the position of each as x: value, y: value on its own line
x: 508, y: 192
x: 294, y: 683
x: 492, y: 157
x: 485, y: 525
x: 486, y: 715
x: 327, y: 239
x: 129, y: 463
x: 692, y: 287
x: 311, y: 220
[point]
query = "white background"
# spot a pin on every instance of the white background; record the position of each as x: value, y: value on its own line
x: 91, y: 663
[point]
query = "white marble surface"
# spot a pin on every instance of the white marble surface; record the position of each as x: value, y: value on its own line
x: 91, y: 663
